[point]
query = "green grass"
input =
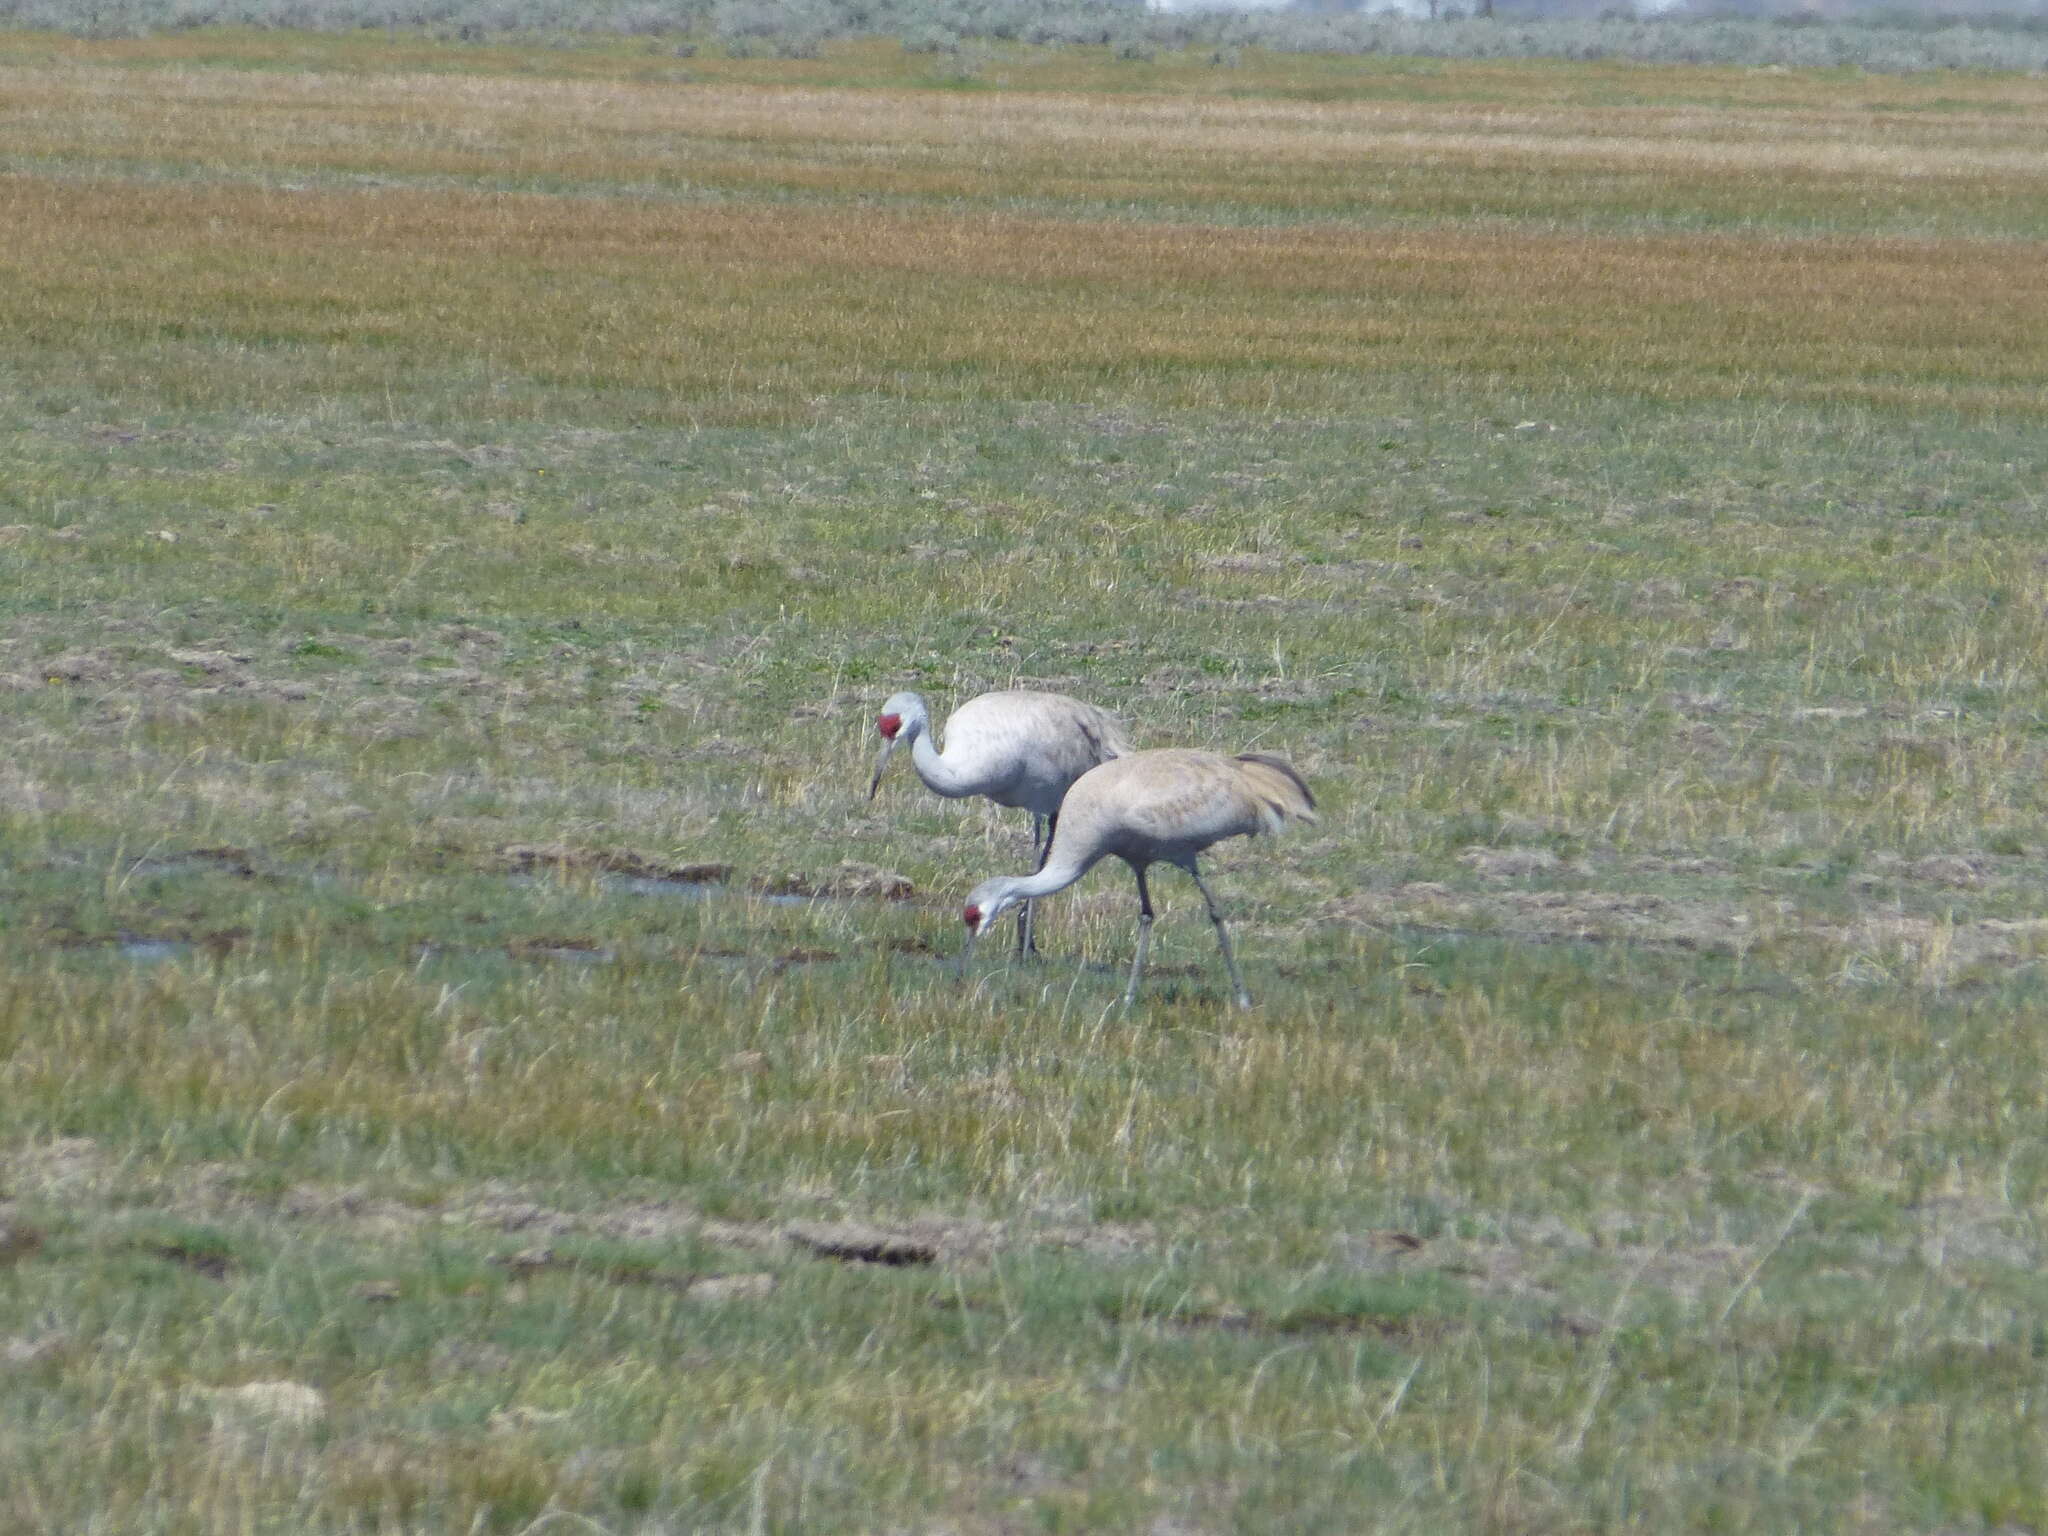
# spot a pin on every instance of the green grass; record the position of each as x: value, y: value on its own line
x: 1640, y: 1124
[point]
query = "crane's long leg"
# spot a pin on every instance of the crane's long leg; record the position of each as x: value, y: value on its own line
x: 1244, y: 998
x: 1144, y: 936
x: 1041, y: 844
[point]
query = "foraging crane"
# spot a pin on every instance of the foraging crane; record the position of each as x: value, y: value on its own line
x: 1018, y: 748
x: 1148, y: 808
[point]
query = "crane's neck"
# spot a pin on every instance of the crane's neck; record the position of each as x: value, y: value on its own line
x: 1063, y: 867
x: 939, y: 776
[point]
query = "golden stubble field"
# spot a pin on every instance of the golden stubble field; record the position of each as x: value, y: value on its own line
x: 756, y: 244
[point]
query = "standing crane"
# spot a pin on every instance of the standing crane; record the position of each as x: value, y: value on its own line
x: 1164, y: 807
x: 1019, y: 748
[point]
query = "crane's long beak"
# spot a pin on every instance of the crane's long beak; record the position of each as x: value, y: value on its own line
x: 881, y: 763
x: 966, y: 955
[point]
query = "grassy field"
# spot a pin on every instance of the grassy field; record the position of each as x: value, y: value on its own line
x: 471, y: 1058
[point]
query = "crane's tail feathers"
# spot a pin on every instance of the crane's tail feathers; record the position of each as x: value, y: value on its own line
x: 1283, y: 794
x: 1106, y: 735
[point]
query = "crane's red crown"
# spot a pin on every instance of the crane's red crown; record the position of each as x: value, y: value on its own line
x: 889, y: 725
x: 972, y: 916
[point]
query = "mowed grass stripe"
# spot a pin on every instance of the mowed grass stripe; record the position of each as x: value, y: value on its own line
x: 774, y: 304
x: 1843, y: 165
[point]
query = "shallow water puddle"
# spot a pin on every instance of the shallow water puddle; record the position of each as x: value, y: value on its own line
x: 152, y: 951
x: 662, y: 885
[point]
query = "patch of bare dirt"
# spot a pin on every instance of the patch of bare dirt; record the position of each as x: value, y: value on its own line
x: 1679, y: 865
x: 1953, y: 871
x: 1251, y: 564
x: 855, y: 1243
x: 531, y: 858
x: 1107, y: 1240
x: 1511, y: 863
x: 365, y: 1214
x: 239, y: 862
x: 70, y: 1168
x: 470, y: 636
x: 1409, y: 1332
x: 1187, y: 597
x: 953, y: 1239
x: 1928, y: 951
x: 510, y: 1211
x: 589, y: 951
x: 211, y: 661
x: 1524, y: 1269
x: 716, y: 1288
x: 80, y: 667
x: 67, y: 1166
x: 214, y: 1266
x: 17, y: 1239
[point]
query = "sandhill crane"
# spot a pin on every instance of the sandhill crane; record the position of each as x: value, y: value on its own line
x: 1019, y: 748
x: 1148, y: 808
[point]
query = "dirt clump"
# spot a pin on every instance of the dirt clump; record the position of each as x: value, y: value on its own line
x: 535, y: 858
x: 78, y: 667
x: 855, y: 1243
x: 17, y: 1240
x: 1511, y: 863
x: 557, y: 949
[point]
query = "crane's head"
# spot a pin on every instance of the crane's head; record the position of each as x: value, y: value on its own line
x: 987, y: 902
x: 901, y: 712
x: 902, y: 717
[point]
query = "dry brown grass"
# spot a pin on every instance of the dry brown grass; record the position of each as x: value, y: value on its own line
x: 1845, y: 159
x: 750, y: 245
x: 771, y: 304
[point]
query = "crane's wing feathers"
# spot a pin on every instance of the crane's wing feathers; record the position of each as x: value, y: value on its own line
x: 1022, y: 734
x: 1103, y: 732
x: 1187, y: 800
x: 1282, y: 793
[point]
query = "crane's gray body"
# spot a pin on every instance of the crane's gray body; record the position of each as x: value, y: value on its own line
x: 1019, y: 748
x: 1147, y: 808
